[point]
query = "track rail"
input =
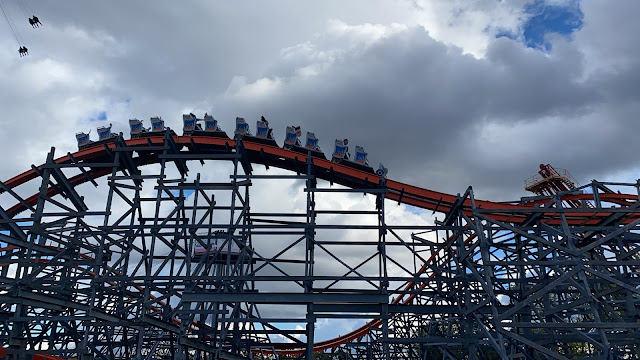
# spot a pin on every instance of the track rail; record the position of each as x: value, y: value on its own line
x: 340, y: 174
x: 327, y: 170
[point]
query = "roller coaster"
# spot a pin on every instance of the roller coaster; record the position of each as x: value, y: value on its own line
x: 120, y: 251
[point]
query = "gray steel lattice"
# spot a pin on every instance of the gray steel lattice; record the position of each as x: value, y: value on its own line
x: 127, y: 280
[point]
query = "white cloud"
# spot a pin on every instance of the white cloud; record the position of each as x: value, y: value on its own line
x: 259, y: 90
x: 470, y: 25
x: 363, y: 33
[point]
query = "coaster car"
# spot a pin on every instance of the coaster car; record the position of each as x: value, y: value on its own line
x: 292, y: 138
x: 214, y: 246
x: 292, y: 142
x: 136, y: 128
x: 192, y: 128
x: 341, y: 156
x: 104, y: 136
x: 264, y: 134
x: 83, y: 140
x: 157, y: 128
x: 242, y: 128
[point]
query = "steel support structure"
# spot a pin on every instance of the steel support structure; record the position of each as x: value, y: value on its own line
x: 174, y: 265
x: 495, y: 290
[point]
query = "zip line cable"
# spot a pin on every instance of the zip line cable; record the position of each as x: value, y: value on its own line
x: 23, y: 8
x: 28, y: 12
x: 16, y: 27
x: 13, y: 27
x: 27, y: 7
x: 8, y: 15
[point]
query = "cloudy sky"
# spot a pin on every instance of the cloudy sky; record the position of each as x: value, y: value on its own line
x: 445, y: 93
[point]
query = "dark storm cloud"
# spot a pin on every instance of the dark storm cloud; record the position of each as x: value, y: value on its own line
x: 437, y: 117
x: 527, y: 83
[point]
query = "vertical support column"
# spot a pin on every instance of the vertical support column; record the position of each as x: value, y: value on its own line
x: 224, y: 257
x: 382, y: 273
x: 310, y: 232
x: 484, y: 238
x: 17, y: 335
x: 227, y: 271
x: 189, y: 235
x: 96, y: 281
x: 144, y: 310
x: 465, y: 293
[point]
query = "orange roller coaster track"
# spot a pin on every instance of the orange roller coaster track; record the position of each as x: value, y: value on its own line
x: 327, y: 170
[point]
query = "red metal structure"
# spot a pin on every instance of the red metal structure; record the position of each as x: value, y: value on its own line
x: 550, y: 181
x: 35, y: 357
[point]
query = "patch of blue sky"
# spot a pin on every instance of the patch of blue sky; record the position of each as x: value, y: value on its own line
x: 331, y: 328
x: 22, y: 224
x: 507, y: 34
x: 101, y: 116
x: 559, y: 19
x: 415, y: 210
x: 4, y: 232
x: 187, y: 193
x: 544, y: 18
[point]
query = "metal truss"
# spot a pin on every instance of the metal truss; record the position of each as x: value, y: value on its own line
x: 495, y: 290
x: 171, y: 266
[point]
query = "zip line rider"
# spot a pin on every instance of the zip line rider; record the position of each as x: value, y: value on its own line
x: 36, y: 21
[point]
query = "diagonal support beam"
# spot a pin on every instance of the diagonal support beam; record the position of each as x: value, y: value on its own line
x: 10, y: 225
